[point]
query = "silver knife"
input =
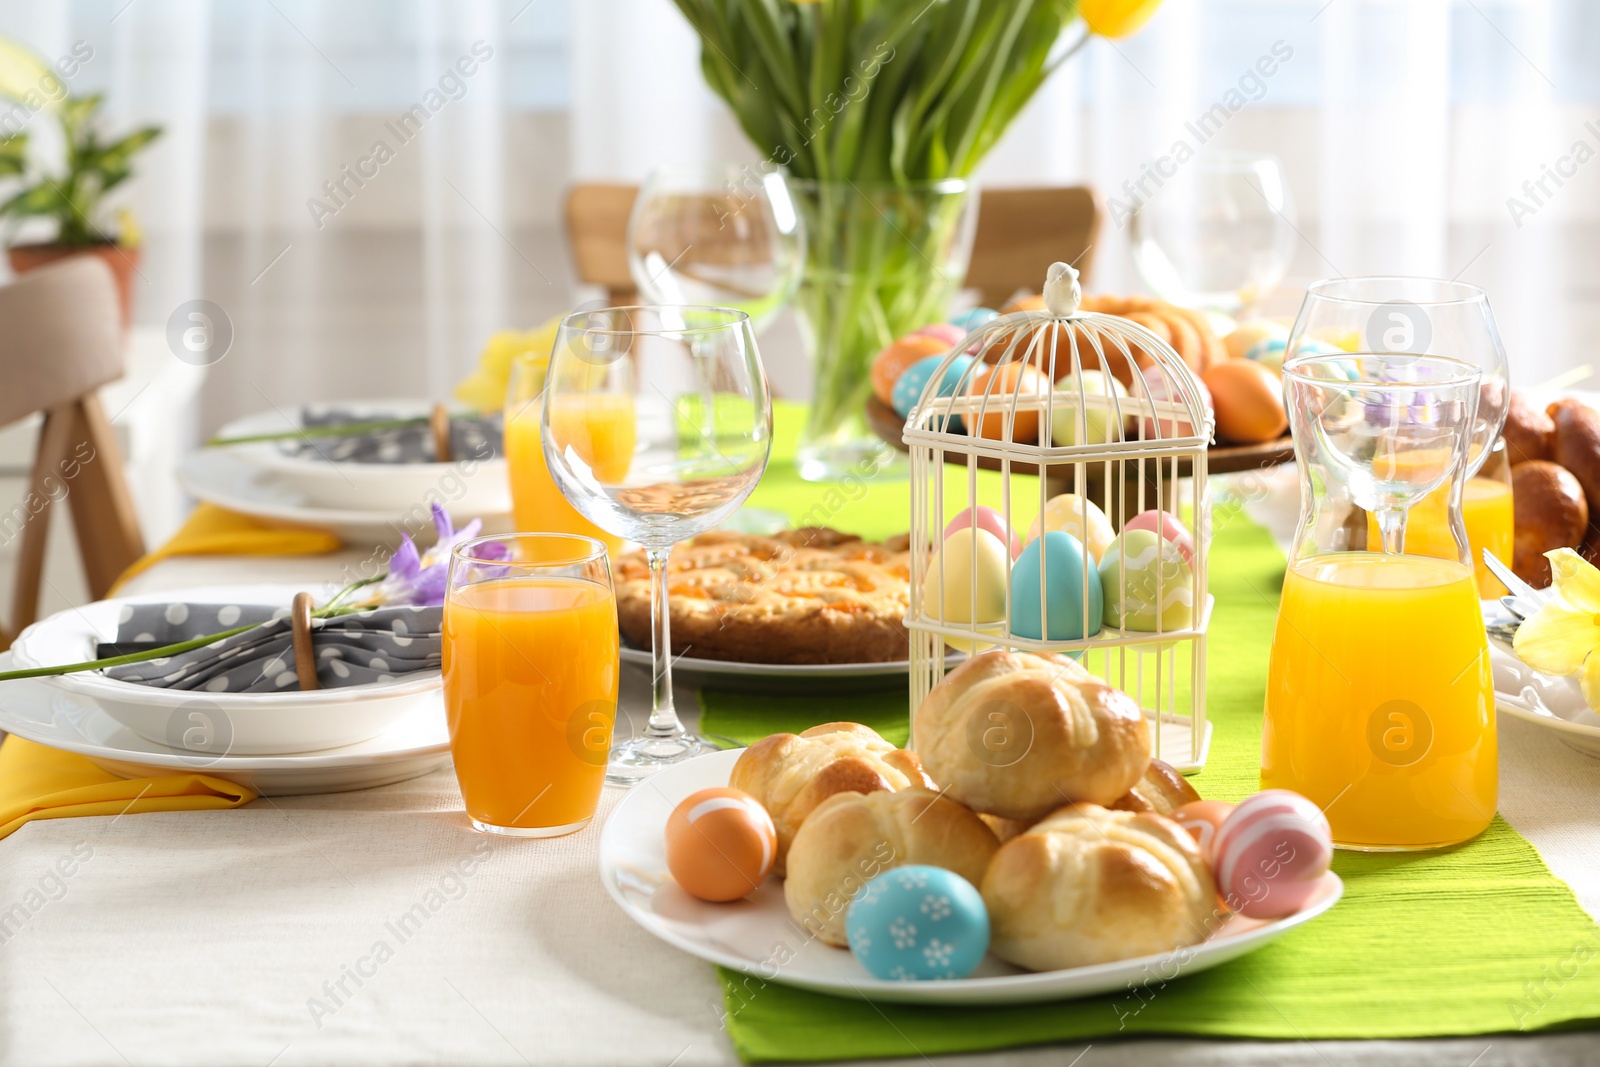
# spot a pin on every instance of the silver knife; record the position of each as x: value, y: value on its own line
x: 1509, y: 578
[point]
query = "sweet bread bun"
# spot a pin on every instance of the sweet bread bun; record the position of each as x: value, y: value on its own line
x: 1530, y: 433
x: 1550, y: 513
x: 1019, y: 734
x: 1162, y: 790
x: 852, y: 837
x: 1088, y: 886
x: 1577, y: 446
x: 790, y: 774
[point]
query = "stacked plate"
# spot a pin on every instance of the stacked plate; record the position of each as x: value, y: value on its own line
x: 287, y: 482
x: 274, y: 743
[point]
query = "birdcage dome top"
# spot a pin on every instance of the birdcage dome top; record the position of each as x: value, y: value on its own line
x: 1062, y: 384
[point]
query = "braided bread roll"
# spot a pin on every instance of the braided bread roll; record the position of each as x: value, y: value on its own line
x: 852, y: 837
x: 1088, y: 886
x: 790, y: 774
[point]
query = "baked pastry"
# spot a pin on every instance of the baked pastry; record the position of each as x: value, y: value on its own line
x: 790, y: 774
x: 852, y: 837
x: 1577, y: 446
x: 1550, y: 513
x: 1079, y: 738
x: 1162, y: 790
x: 1088, y: 886
x: 1187, y: 331
x: 1529, y: 432
x: 812, y: 595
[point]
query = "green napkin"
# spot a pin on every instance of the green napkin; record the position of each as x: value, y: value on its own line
x: 1475, y: 939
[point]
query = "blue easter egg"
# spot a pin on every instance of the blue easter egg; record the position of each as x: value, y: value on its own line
x: 972, y: 318
x: 918, y: 922
x: 1268, y: 352
x: 1348, y: 368
x: 908, y: 387
x: 1071, y: 580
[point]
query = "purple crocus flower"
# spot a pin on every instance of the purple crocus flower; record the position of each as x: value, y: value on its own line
x: 420, y: 579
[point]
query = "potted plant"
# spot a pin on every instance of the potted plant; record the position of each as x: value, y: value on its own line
x: 74, y: 196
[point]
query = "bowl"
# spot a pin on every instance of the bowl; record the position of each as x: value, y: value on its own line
x: 245, y: 724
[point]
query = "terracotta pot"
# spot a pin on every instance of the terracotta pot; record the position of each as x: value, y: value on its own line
x: 124, y: 264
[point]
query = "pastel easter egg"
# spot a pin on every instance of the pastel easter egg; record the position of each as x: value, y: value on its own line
x: 972, y: 318
x: 908, y: 390
x: 1270, y: 854
x: 970, y: 559
x: 1307, y: 346
x: 1167, y: 525
x: 1147, y: 584
x: 896, y: 358
x: 1158, y: 386
x: 1248, y: 401
x: 720, y: 844
x: 1251, y: 332
x: 950, y: 335
x: 1096, y: 393
x: 987, y: 519
x: 1083, y: 519
x: 1008, y: 403
x: 1269, y: 353
x: 1056, y: 564
x: 916, y: 923
x: 1203, y: 819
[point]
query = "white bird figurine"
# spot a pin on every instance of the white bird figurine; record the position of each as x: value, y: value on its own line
x: 1062, y: 294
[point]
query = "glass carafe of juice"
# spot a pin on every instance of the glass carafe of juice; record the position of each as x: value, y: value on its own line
x: 1380, y: 703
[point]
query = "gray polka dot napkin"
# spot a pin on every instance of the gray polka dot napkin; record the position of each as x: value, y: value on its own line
x: 471, y: 437
x: 371, y: 646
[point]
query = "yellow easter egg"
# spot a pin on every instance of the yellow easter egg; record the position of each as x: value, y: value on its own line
x: 966, y: 584
x: 1252, y: 332
x: 1083, y: 519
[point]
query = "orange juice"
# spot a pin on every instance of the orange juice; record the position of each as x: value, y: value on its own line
x: 599, y: 429
x: 1380, y: 703
x: 530, y: 677
x: 1485, y: 511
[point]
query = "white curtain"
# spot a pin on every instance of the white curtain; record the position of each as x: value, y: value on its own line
x: 1405, y: 127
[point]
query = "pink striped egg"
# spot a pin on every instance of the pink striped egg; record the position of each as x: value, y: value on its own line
x: 1270, y: 854
x: 942, y: 331
x: 987, y: 519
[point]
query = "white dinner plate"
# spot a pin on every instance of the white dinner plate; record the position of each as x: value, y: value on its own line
x: 480, y: 487
x: 263, y: 724
x: 413, y: 746
x: 219, y: 476
x: 749, y: 935
x: 1554, y: 704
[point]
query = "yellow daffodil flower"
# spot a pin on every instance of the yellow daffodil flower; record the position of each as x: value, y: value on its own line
x: 1116, y: 18
x: 1564, y: 634
x: 485, y: 388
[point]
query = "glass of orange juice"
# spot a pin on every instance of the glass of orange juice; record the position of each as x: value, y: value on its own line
x: 602, y: 431
x: 530, y: 679
x: 1380, y: 702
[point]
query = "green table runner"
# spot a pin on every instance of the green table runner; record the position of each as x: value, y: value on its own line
x: 1474, y: 939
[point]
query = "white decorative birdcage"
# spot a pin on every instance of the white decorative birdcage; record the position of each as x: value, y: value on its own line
x: 1101, y: 407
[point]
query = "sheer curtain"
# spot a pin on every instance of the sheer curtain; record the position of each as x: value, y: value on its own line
x: 1406, y: 127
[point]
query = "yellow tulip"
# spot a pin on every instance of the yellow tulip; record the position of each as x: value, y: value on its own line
x: 1116, y: 18
x: 485, y: 388
x: 1563, y: 635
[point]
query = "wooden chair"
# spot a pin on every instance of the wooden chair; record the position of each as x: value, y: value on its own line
x: 60, y: 340
x: 1020, y: 233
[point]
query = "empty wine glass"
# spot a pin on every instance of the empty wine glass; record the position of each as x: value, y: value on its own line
x: 1219, y: 234
x: 721, y: 234
x: 684, y: 389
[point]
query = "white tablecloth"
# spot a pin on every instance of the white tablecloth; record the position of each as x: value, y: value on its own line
x: 248, y: 937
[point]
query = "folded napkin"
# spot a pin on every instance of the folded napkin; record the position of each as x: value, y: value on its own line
x: 371, y: 646
x: 214, y: 531
x: 471, y: 437
x: 37, y: 782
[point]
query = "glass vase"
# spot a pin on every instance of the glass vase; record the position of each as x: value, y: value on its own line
x: 881, y: 261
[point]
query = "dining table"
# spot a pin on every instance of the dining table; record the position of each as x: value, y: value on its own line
x: 244, y: 936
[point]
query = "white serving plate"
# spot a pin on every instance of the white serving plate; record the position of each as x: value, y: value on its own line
x: 265, y: 724
x: 744, y: 936
x: 1554, y: 704
x: 412, y: 746
x: 479, y: 487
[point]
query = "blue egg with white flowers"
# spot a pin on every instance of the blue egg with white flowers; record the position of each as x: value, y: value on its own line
x: 1071, y: 586
x: 972, y: 318
x: 916, y: 923
x: 914, y: 379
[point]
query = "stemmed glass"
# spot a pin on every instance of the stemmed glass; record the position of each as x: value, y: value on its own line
x: 1219, y: 234
x: 722, y: 234
x: 688, y: 385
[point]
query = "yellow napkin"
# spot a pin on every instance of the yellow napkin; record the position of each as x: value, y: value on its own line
x: 214, y: 531
x: 37, y: 782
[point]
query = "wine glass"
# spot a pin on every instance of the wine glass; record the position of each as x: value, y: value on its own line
x: 1219, y: 234
x: 684, y: 388
x: 722, y: 234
